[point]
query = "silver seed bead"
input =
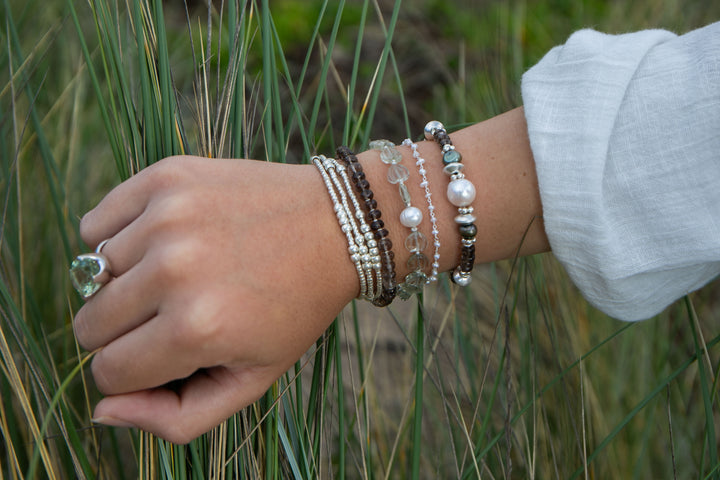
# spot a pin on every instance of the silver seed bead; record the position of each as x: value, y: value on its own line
x: 431, y: 128
x: 363, y: 249
x: 447, y: 147
x: 369, y: 236
x: 465, y: 210
x: 353, y: 249
x: 374, y: 251
x: 372, y: 243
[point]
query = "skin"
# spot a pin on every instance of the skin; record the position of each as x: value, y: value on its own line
x: 227, y: 271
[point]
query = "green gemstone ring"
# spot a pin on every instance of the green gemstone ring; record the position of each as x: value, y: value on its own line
x: 90, y: 271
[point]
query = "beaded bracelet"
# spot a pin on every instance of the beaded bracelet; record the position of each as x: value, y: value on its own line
x: 359, y: 252
x: 420, y: 162
x: 384, y: 245
x: 461, y: 193
x: 410, y: 217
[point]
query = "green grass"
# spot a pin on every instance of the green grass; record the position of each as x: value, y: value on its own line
x: 516, y: 378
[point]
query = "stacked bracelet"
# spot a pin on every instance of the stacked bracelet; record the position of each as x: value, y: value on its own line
x: 420, y: 162
x: 461, y: 193
x: 377, y: 226
x: 410, y: 217
x: 361, y: 244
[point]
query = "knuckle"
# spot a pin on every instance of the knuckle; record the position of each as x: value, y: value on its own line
x: 175, y: 261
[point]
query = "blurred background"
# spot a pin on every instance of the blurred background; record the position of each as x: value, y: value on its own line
x: 515, y: 378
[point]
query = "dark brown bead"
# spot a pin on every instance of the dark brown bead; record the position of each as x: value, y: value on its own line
x: 376, y: 225
x: 357, y: 175
x: 375, y: 215
x: 382, y: 233
x: 363, y: 184
x: 366, y: 195
x: 384, y: 244
x: 371, y: 204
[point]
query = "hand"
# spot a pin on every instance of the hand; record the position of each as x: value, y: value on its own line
x: 226, y: 272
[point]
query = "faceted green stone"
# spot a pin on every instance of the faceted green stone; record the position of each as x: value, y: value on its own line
x: 82, y: 271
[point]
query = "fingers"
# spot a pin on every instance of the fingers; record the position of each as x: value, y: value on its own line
x: 204, y: 401
x: 128, y: 200
x: 154, y: 353
x: 122, y: 305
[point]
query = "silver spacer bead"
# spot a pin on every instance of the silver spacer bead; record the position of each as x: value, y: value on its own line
x: 466, y: 219
x: 465, y: 210
x: 468, y: 242
x: 453, y: 168
x: 447, y: 147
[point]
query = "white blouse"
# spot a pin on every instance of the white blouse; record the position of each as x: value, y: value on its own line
x: 625, y: 131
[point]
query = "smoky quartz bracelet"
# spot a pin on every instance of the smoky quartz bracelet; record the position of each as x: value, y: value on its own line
x: 384, y: 245
x: 461, y: 193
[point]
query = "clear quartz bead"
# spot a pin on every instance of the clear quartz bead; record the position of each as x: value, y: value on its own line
x: 416, y: 242
x: 390, y: 155
x: 417, y: 262
x: 380, y: 144
x: 397, y: 173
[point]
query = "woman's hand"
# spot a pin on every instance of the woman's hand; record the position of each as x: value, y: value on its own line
x: 226, y: 272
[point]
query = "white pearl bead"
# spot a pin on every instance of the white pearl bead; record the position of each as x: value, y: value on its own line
x: 411, y: 217
x: 461, y: 192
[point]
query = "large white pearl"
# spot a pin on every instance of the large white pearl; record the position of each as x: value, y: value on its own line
x: 411, y: 217
x: 461, y: 192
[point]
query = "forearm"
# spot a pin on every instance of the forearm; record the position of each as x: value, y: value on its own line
x: 499, y: 162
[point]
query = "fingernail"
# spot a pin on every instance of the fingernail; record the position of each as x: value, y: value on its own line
x: 113, y: 422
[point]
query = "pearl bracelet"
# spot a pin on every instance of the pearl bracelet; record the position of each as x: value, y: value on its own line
x: 377, y: 226
x: 461, y: 193
x: 362, y: 246
x: 420, y: 162
x: 410, y: 217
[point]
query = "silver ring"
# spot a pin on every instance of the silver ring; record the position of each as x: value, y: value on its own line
x: 90, y: 271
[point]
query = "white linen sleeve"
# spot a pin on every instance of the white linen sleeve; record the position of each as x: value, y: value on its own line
x: 625, y: 131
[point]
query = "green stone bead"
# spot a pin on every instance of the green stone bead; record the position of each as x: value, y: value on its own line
x: 451, y: 156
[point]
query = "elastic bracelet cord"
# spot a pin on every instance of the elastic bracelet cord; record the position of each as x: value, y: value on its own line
x: 461, y: 193
x: 420, y: 162
x: 384, y: 245
x: 410, y: 217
